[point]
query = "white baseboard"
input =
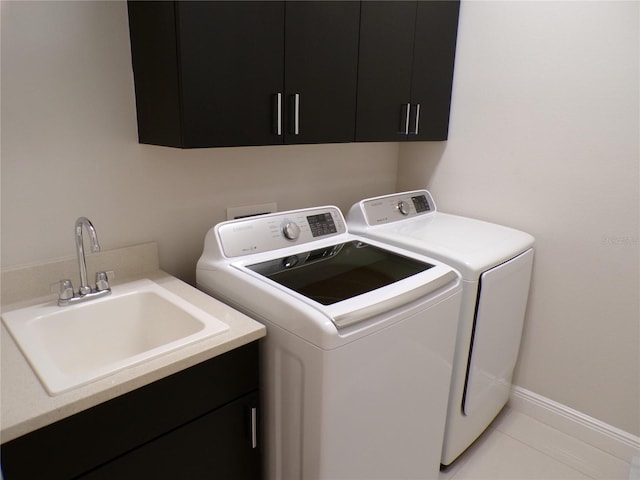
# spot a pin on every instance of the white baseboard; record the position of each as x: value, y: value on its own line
x: 603, y: 436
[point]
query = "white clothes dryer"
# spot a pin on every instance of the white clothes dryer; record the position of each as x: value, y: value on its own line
x: 357, y: 360
x: 496, y: 264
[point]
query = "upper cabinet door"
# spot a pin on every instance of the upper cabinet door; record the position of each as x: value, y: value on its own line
x: 321, y: 63
x: 231, y: 59
x: 407, y: 52
x: 433, y: 61
x: 384, y: 70
x: 207, y: 73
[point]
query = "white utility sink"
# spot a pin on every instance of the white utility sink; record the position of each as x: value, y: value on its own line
x: 74, y: 345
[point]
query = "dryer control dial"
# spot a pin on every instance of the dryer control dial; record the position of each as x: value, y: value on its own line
x: 403, y: 207
x: 290, y: 230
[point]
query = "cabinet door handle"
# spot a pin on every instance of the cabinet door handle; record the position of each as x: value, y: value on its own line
x: 296, y: 114
x: 254, y: 427
x: 416, y: 120
x: 404, y: 126
x: 277, y: 109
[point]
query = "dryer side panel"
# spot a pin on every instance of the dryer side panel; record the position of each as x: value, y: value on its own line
x: 498, y: 328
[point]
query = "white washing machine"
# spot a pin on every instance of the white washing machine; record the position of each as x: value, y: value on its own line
x: 358, y: 354
x: 496, y: 263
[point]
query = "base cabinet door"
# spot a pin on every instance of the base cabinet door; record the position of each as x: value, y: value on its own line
x: 200, y: 422
x: 222, y: 444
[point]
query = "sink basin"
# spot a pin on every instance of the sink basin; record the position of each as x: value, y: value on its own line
x: 71, y: 346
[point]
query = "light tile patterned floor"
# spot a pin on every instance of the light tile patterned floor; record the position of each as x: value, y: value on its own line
x: 517, y: 447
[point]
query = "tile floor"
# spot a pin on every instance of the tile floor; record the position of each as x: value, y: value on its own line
x: 517, y: 447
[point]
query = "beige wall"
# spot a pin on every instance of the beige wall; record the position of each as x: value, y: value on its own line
x: 69, y: 148
x: 544, y: 137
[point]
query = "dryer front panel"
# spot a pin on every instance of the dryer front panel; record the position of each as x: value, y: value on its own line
x: 500, y: 311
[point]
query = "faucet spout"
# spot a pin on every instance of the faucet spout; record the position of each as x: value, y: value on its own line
x: 66, y: 294
x: 95, y: 247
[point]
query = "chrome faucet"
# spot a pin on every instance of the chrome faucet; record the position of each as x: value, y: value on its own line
x: 66, y: 294
x: 95, y: 247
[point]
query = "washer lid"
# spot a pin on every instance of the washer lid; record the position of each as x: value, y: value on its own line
x: 354, y: 281
x: 339, y: 272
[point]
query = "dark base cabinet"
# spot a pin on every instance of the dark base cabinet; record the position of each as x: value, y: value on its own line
x: 198, y: 423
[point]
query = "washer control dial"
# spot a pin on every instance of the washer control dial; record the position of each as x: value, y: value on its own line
x: 290, y: 230
x: 403, y: 207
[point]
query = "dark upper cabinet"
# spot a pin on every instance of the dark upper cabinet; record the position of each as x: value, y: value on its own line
x: 406, y: 61
x: 230, y: 64
x: 244, y: 73
x: 321, y: 67
x: 433, y: 61
x: 385, y: 64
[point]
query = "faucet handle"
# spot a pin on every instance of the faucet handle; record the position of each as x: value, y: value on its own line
x: 102, y: 280
x: 63, y: 288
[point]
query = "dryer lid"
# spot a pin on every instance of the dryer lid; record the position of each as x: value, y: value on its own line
x: 410, y: 220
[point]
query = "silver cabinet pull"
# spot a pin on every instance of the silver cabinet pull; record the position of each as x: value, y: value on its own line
x: 296, y: 114
x: 254, y: 427
x: 277, y: 108
x: 404, y: 126
x: 416, y: 119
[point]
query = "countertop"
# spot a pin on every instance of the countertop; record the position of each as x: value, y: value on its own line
x: 26, y: 406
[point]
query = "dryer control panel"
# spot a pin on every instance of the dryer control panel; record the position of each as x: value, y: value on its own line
x: 391, y: 208
x: 279, y: 230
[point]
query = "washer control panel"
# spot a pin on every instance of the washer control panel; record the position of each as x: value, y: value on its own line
x: 399, y: 206
x: 279, y: 230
